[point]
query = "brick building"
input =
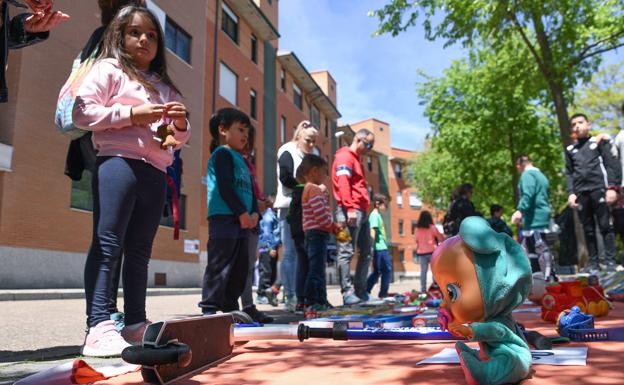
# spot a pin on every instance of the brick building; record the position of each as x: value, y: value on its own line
x: 220, y: 53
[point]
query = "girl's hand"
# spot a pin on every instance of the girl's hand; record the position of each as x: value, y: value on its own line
x: 146, y: 113
x: 245, y: 221
x: 176, y: 111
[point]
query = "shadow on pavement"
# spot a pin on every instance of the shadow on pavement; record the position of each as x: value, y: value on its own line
x: 46, y: 354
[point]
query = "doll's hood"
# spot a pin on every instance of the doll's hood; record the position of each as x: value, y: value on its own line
x: 502, y: 267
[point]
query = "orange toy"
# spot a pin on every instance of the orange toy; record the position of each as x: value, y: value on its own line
x: 589, y: 298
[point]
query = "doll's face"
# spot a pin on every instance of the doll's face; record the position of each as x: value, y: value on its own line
x: 454, y: 271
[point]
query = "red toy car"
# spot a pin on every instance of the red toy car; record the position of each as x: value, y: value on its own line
x: 589, y: 298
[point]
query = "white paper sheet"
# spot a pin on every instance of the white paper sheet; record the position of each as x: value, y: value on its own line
x: 576, y: 356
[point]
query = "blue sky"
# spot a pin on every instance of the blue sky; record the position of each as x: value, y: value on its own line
x: 376, y: 76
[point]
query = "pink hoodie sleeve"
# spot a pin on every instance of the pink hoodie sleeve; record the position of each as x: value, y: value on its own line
x: 92, y: 110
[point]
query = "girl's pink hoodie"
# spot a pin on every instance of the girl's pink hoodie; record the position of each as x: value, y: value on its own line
x: 103, y: 105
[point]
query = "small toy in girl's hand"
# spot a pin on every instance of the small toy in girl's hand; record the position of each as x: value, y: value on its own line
x: 165, y: 136
x: 483, y: 276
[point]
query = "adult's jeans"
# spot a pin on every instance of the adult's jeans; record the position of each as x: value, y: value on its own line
x: 425, y: 260
x: 128, y: 201
x: 247, y: 297
x: 265, y: 268
x: 302, y: 269
x: 360, y: 237
x: 594, y: 203
x: 288, y: 270
x: 315, y: 291
x: 382, y: 266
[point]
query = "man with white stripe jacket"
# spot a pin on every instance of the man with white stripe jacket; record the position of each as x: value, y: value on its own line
x: 351, y: 194
x: 593, y: 175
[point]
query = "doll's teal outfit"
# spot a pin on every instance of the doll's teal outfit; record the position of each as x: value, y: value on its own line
x: 504, y: 275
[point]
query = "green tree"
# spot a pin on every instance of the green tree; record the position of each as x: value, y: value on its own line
x: 564, y: 39
x: 602, y: 99
x: 482, y: 116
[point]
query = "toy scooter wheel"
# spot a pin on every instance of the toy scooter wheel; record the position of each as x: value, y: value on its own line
x: 240, y: 317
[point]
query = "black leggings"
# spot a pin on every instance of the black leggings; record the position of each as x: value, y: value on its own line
x: 128, y: 201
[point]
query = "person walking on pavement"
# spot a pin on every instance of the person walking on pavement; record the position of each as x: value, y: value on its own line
x: 534, y: 214
x: 593, y: 175
x: 352, y: 199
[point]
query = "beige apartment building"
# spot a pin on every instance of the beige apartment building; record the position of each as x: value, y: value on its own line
x: 221, y: 53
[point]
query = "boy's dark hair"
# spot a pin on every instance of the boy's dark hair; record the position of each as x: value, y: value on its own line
x: 578, y: 114
x: 113, y: 47
x: 522, y: 159
x: 225, y: 117
x: 109, y: 8
x: 463, y: 189
x: 425, y: 220
x: 495, y: 208
x: 309, y: 162
x: 379, y: 198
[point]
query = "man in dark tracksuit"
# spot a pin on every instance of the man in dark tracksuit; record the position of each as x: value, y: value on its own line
x: 593, y: 175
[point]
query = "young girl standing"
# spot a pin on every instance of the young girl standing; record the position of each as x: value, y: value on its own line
x: 426, y: 239
x: 232, y: 212
x: 124, y: 99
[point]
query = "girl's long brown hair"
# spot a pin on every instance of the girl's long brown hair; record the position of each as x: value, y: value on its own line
x: 113, y: 47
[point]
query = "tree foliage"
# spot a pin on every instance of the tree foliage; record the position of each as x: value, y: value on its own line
x: 563, y: 38
x: 482, y: 116
x: 602, y: 99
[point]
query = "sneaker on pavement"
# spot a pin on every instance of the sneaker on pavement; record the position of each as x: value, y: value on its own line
x: 351, y: 299
x: 364, y: 297
x: 291, y: 304
x: 271, y: 295
x: 133, y: 334
x: 300, y: 308
x: 262, y: 300
x: 103, y: 340
x: 118, y: 318
x: 258, y: 315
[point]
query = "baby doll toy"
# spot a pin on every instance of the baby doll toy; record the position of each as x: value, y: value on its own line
x: 483, y: 276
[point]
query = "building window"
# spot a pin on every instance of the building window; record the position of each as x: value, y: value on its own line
x: 402, y: 255
x: 401, y: 233
x: 254, y: 49
x: 370, y: 192
x: 229, y: 22
x: 283, y: 129
x: 414, y: 201
x: 315, y: 117
x: 167, y: 218
x: 81, y: 197
x: 326, y: 128
x: 177, y: 40
x: 369, y: 162
x: 380, y: 128
x: 414, y: 226
x: 297, y: 99
x: 397, y: 170
x: 415, y: 258
x: 283, y: 80
x: 252, y: 103
x: 227, y: 83
x: 399, y: 199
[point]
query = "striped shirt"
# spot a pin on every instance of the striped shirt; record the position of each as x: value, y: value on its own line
x: 316, y: 213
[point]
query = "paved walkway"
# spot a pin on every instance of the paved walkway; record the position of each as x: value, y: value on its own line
x: 38, y: 334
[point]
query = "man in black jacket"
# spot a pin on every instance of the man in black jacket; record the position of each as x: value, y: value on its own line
x: 23, y: 30
x: 593, y: 175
